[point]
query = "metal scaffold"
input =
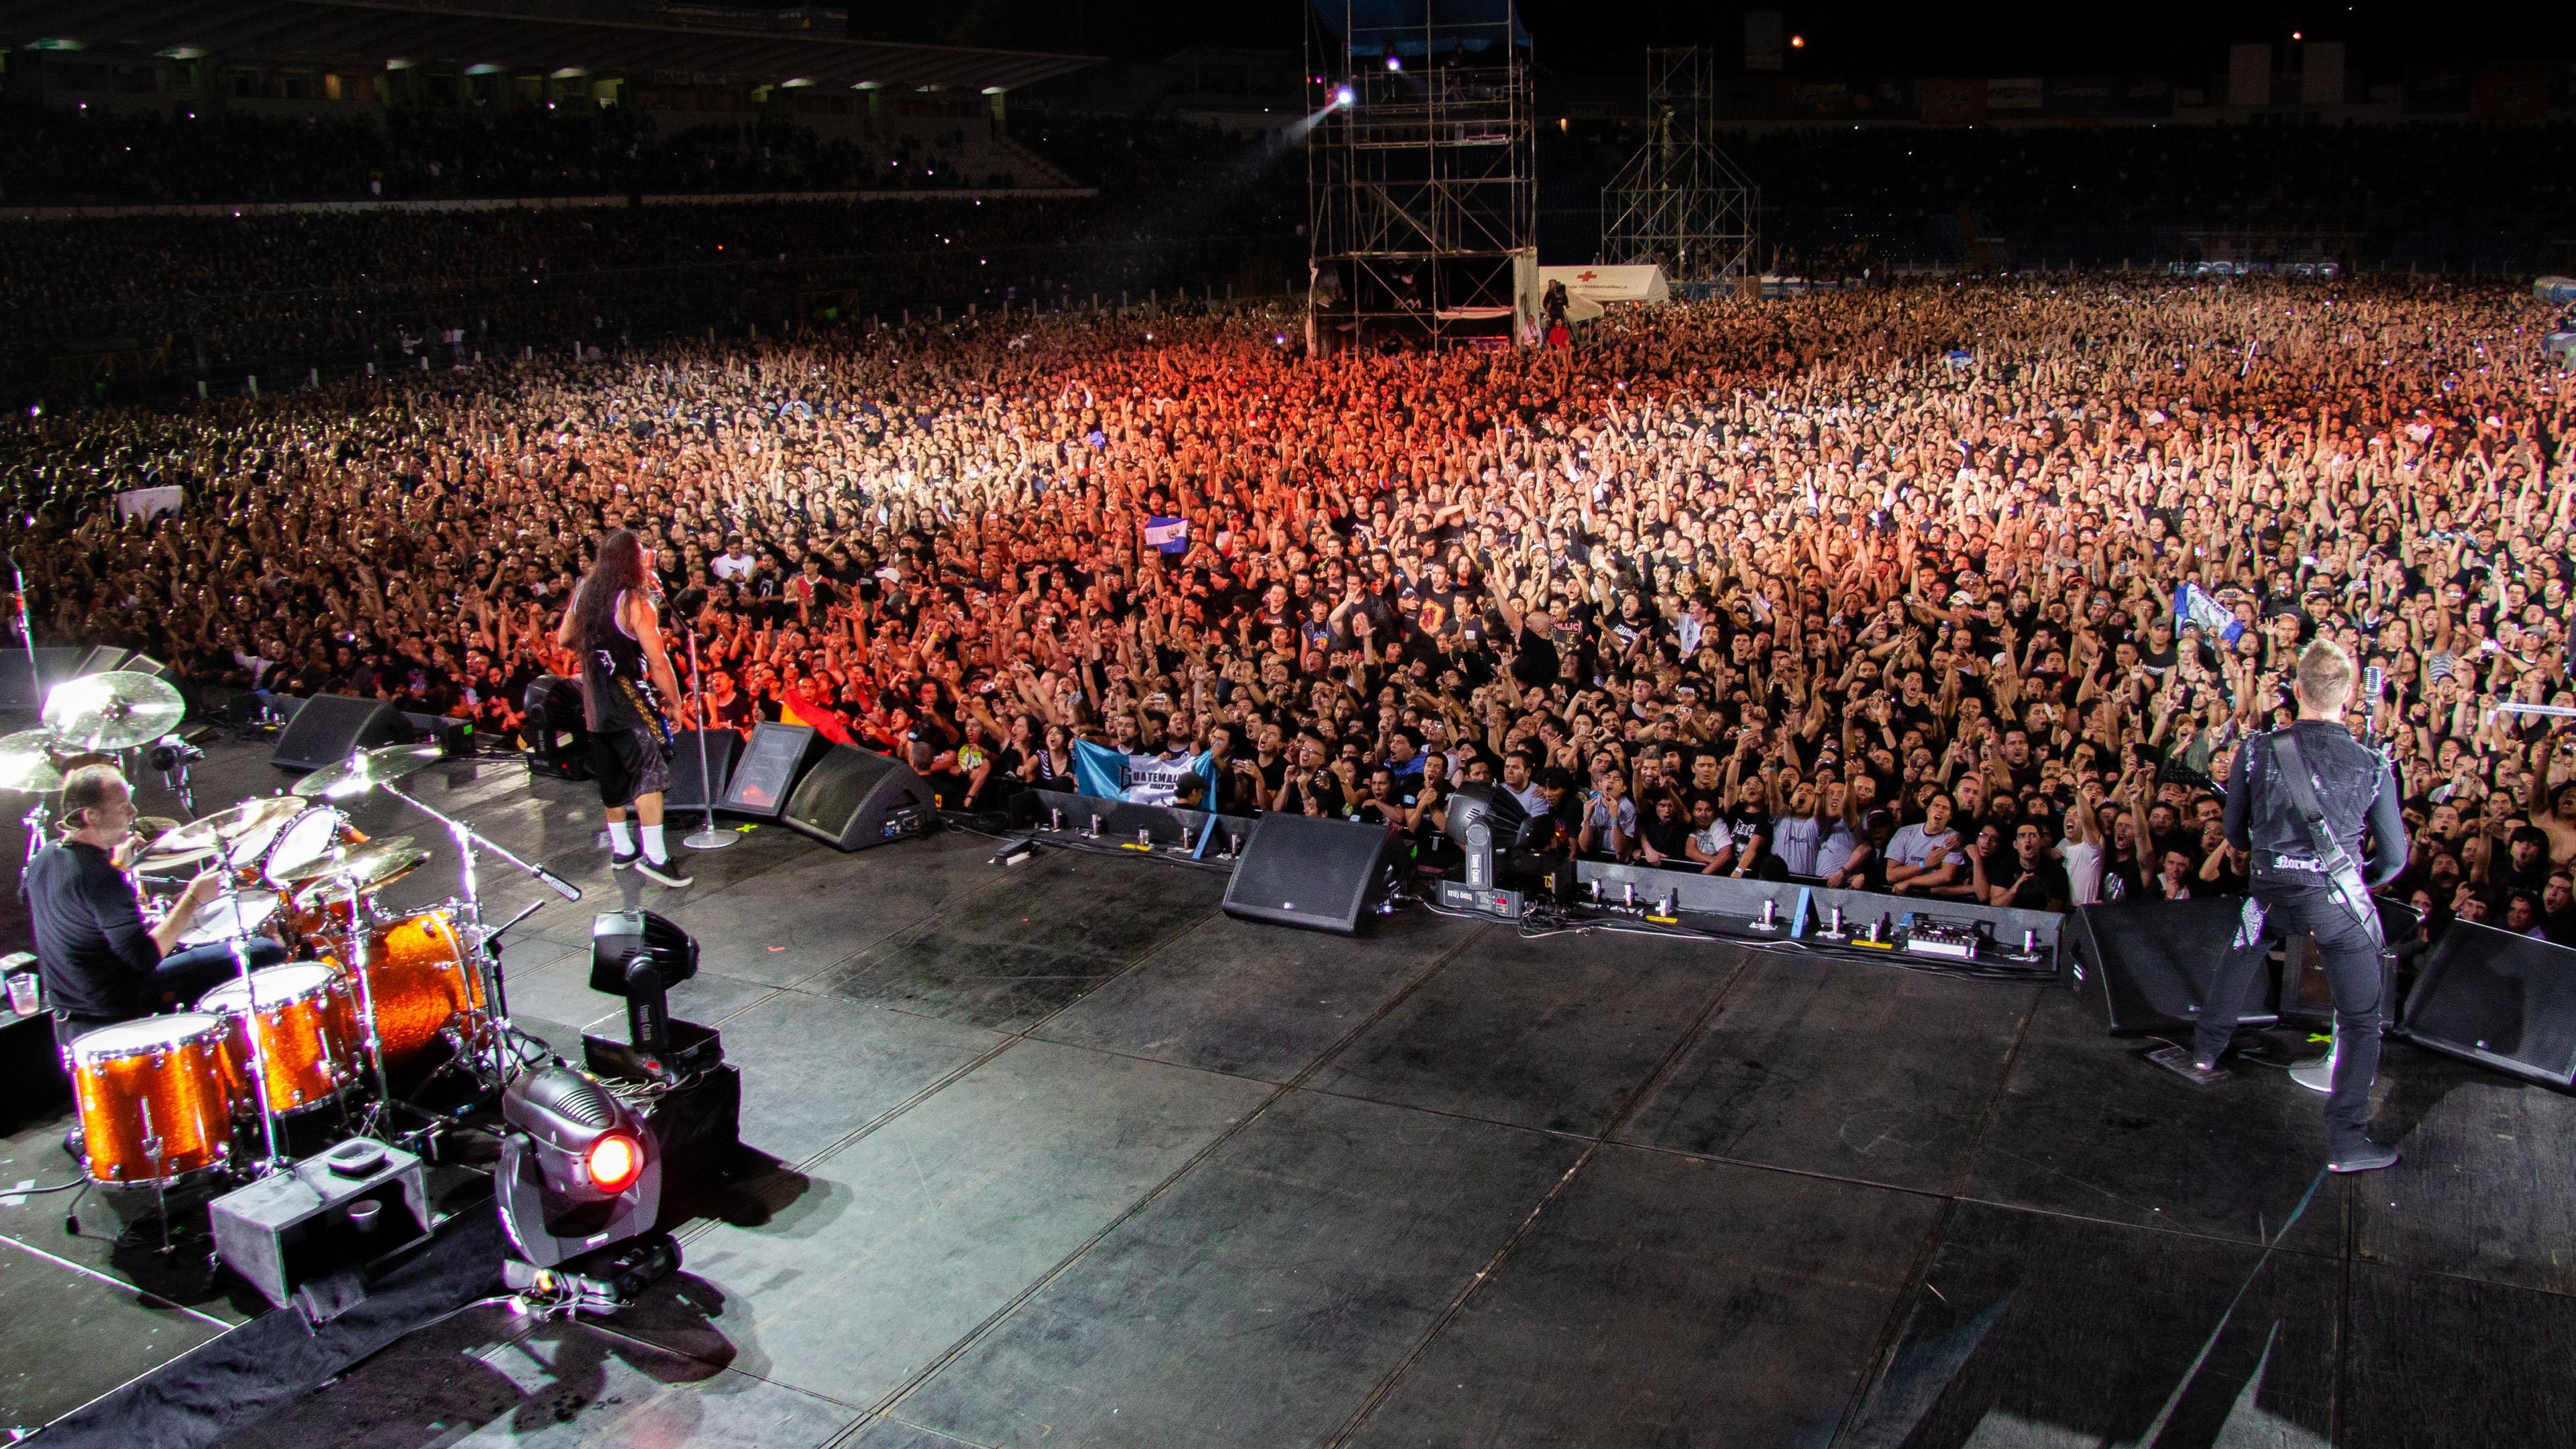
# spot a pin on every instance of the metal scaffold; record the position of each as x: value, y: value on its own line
x: 1422, y: 195
x: 1679, y: 203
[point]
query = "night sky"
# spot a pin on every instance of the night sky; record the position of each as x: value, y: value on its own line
x: 1842, y: 40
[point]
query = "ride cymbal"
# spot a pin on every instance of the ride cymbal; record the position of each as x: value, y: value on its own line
x: 367, y: 769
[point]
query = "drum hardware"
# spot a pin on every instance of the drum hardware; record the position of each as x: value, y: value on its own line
x: 27, y: 764
x: 171, y: 755
x: 477, y: 940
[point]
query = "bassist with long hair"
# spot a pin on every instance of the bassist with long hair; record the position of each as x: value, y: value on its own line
x: 625, y: 675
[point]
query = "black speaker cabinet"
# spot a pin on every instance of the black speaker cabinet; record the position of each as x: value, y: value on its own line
x: 1303, y: 870
x: 772, y: 761
x: 2147, y: 965
x: 20, y: 689
x: 331, y: 727
x: 855, y: 798
x: 558, y: 744
x: 2500, y: 1000
x: 689, y: 788
x: 100, y: 660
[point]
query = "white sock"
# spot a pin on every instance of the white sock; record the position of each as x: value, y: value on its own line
x: 618, y: 837
x: 653, y: 844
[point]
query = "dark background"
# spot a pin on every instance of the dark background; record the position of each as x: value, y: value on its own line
x: 1920, y: 39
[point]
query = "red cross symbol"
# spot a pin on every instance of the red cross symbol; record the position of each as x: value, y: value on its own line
x: 1586, y: 275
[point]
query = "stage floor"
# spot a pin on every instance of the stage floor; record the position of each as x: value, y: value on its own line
x: 1064, y: 1156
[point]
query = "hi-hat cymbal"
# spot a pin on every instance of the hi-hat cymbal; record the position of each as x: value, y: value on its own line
x: 367, y: 769
x: 361, y: 871
x: 221, y: 829
x: 300, y: 873
x: 27, y: 761
x: 113, y: 711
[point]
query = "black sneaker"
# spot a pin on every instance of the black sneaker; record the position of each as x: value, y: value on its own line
x: 664, y: 872
x: 625, y: 860
x: 2368, y: 1157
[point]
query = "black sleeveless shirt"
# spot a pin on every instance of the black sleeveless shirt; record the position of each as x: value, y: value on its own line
x: 613, y: 677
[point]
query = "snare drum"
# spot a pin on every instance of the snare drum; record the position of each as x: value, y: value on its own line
x: 307, y: 1032
x: 154, y: 1099
x: 417, y: 973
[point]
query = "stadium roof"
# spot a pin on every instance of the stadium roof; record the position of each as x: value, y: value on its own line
x: 607, y: 37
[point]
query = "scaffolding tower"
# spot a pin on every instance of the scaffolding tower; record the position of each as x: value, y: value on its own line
x: 1422, y: 193
x: 1680, y: 203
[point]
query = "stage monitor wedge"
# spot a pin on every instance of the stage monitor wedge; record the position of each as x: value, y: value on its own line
x: 689, y: 789
x: 854, y: 798
x: 328, y: 728
x: 2146, y: 966
x: 1301, y: 870
x: 772, y: 762
x: 2500, y: 1000
x: 21, y: 688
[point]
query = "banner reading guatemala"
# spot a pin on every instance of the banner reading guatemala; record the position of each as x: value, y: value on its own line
x: 1111, y: 774
x: 1171, y: 535
x: 2193, y: 605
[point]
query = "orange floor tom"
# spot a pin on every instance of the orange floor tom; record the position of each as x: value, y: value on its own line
x: 154, y: 1097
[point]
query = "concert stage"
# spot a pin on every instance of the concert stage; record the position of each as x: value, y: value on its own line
x: 1058, y: 1154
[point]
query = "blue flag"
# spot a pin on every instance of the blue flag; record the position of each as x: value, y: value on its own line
x: 1110, y: 774
x: 2193, y: 605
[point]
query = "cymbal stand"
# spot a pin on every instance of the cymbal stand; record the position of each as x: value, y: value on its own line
x: 486, y: 961
x: 362, y: 911
x: 35, y: 822
x: 707, y: 838
x: 274, y: 1162
x: 26, y: 630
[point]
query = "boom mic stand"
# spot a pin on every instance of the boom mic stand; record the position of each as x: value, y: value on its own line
x: 707, y: 838
x: 26, y: 630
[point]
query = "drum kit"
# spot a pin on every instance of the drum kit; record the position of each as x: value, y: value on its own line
x: 373, y: 999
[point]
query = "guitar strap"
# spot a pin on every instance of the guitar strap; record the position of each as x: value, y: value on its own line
x: 2343, y: 873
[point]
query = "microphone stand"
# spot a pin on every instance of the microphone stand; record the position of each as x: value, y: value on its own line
x: 36, y: 689
x: 707, y: 838
x: 26, y: 630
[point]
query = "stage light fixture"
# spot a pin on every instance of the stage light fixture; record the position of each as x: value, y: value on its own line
x: 641, y: 956
x: 1395, y: 62
x: 579, y: 1191
x: 1343, y: 97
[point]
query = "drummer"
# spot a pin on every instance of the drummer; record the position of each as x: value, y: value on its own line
x: 101, y: 962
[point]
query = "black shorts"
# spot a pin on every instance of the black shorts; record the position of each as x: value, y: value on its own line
x: 629, y: 764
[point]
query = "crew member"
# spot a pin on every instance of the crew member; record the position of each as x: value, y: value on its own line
x: 2304, y: 887
x: 101, y: 964
x: 625, y: 673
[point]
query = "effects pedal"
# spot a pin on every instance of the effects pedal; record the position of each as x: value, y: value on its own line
x: 1948, y: 940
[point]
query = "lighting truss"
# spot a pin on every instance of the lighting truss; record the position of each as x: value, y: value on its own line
x: 1680, y: 203
x: 1422, y: 196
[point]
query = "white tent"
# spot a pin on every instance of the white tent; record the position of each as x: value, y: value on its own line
x: 1604, y: 285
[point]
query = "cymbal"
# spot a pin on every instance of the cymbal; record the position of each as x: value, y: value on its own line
x: 301, y: 873
x: 27, y: 761
x: 367, y: 769
x: 227, y: 917
x: 221, y: 829
x: 113, y: 711
x: 361, y: 871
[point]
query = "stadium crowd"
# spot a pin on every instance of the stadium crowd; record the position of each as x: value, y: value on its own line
x: 1963, y: 590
